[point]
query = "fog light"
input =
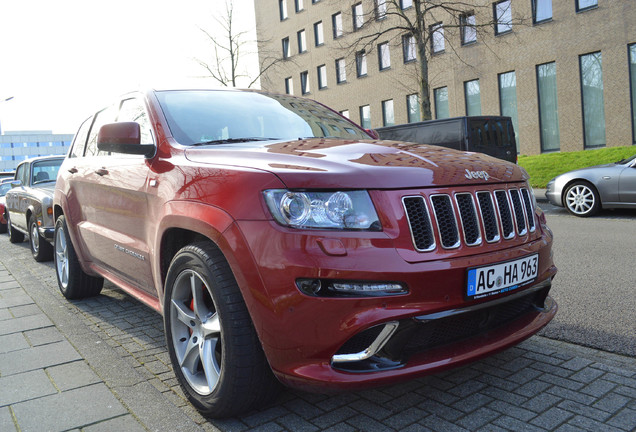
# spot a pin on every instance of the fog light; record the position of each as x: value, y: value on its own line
x: 329, y: 288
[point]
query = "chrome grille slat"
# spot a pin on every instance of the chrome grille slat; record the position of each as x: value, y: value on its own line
x: 527, y: 201
x: 505, y: 214
x: 420, y: 223
x: 488, y: 216
x: 446, y: 221
x: 468, y: 218
x: 517, y: 208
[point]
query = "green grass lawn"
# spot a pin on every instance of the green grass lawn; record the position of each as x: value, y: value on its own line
x: 542, y: 168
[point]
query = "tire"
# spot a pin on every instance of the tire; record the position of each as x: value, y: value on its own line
x: 214, y: 349
x: 3, y: 228
x: 15, y: 236
x: 41, y: 249
x: 73, y: 282
x: 582, y: 199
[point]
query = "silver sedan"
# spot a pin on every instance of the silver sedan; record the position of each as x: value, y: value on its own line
x: 585, y: 191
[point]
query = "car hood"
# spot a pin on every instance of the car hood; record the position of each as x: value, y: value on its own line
x: 335, y: 163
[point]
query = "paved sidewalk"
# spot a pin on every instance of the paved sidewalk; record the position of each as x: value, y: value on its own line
x: 101, y: 365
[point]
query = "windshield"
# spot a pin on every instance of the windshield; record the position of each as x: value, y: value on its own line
x: 45, y: 171
x: 212, y: 116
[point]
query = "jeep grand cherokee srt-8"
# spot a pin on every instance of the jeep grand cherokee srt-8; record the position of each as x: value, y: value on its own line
x: 279, y: 240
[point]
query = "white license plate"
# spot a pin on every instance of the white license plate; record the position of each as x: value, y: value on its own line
x: 503, y: 277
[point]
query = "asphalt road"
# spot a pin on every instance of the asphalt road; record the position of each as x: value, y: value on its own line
x: 596, y: 284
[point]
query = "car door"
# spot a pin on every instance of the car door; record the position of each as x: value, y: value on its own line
x: 16, y: 202
x: 627, y: 183
x: 112, y: 195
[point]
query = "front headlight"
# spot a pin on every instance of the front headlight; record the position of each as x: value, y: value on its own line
x: 350, y: 210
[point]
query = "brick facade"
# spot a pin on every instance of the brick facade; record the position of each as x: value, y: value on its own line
x: 607, y: 28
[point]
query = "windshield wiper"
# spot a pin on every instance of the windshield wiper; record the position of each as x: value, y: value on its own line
x: 231, y: 140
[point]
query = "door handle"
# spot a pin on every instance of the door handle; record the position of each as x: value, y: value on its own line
x: 101, y: 171
x: 72, y: 170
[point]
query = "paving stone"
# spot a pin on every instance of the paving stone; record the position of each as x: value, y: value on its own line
x: 262, y: 417
x: 472, y: 402
x: 366, y: 423
x: 296, y: 423
x: 405, y: 418
x: 343, y: 427
x: 624, y: 419
x: 532, y: 388
x: 334, y: 417
x: 8, y: 283
x: 512, y: 424
x: 542, y: 402
x: 584, y: 410
x: 552, y: 418
x: 440, y: 425
x: 67, y: 410
x: 591, y: 425
x: 467, y: 388
x: 611, y: 402
x: 24, y: 386
x: 124, y: 423
x: 6, y: 420
x: 37, y: 357
x: 303, y: 409
x: 12, y: 342
x: 23, y: 324
x: 587, y: 375
x: 563, y: 382
x: 5, y: 314
x: 502, y: 395
x: 72, y: 375
x: 44, y: 336
x: 512, y: 410
x: 576, y: 363
x: 441, y: 410
x: 371, y: 409
x: 598, y: 388
x: 25, y: 310
x: 478, y: 418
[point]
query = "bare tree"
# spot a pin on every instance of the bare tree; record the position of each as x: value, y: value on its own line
x: 230, y: 48
x: 421, y: 25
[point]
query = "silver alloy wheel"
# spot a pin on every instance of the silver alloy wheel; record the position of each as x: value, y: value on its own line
x: 580, y: 199
x: 196, y: 332
x: 61, y: 257
x: 35, y: 238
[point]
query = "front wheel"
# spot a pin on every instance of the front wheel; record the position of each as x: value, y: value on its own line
x: 40, y: 248
x: 582, y: 199
x: 73, y: 282
x: 214, y: 349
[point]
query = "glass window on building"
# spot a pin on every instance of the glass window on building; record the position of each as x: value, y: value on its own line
x: 286, y: 51
x: 302, y: 42
x: 345, y: 113
x: 409, y: 48
x: 358, y: 16
x: 341, y: 70
x: 503, y: 16
x: 593, y: 104
x: 299, y: 5
x: 365, y: 116
x: 467, y: 28
x: 361, y: 63
x: 508, y: 100
x: 582, y: 5
x: 336, y: 22
x: 541, y: 11
x: 384, y: 56
x: 304, y: 82
x: 322, y: 77
x: 289, y: 86
x: 319, y: 37
x: 405, y: 4
x: 282, y: 9
x: 632, y: 80
x: 548, y: 107
x: 380, y: 9
x: 388, y: 114
x: 436, y: 32
x: 413, y: 107
x: 473, y: 98
x: 441, y: 102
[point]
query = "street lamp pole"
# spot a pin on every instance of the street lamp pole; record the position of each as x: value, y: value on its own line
x: 1, y: 101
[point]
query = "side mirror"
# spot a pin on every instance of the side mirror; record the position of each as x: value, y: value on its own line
x: 123, y: 137
x: 16, y: 183
x: 373, y: 133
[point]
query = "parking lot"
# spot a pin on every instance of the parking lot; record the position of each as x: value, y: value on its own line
x: 102, y: 365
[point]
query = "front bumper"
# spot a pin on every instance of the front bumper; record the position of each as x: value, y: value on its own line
x: 47, y: 233
x: 302, y: 336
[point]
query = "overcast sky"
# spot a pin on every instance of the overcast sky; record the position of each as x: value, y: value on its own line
x: 61, y: 60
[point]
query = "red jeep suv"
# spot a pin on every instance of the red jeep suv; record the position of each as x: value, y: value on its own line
x: 282, y: 243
